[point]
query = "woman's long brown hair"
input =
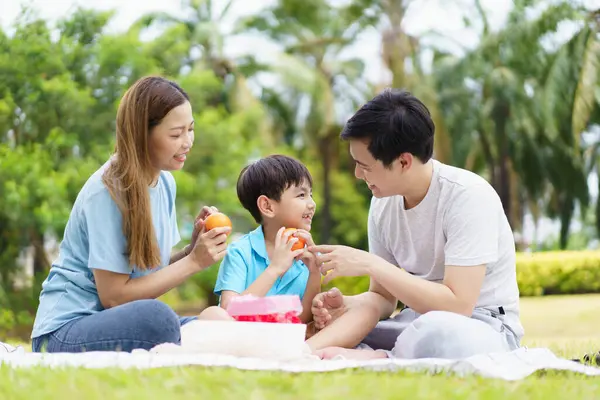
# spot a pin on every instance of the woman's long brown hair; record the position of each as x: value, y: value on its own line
x: 130, y: 173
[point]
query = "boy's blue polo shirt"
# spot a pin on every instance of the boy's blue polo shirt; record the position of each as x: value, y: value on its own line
x: 247, y: 258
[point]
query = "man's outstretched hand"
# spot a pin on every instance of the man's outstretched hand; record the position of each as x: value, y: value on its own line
x: 336, y: 260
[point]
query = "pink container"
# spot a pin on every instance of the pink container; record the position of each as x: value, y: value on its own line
x: 278, y: 309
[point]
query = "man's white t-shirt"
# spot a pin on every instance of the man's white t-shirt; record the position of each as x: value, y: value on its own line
x: 460, y: 222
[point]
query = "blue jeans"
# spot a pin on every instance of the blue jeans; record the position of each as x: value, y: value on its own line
x: 141, y: 324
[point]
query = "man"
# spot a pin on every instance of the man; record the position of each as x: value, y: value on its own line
x: 439, y: 242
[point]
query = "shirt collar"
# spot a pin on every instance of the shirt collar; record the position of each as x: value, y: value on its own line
x: 257, y: 241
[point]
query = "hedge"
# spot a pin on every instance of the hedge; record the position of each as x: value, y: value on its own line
x: 538, y: 274
x: 565, y: 272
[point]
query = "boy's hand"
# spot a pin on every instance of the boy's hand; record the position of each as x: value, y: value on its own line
x: 307, y: 257
x: 283, y: 256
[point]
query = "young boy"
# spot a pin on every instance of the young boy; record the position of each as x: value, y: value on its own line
x: 277, y: 191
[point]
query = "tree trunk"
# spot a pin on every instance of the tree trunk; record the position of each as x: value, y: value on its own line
x: 325, y: 152
x: 516, y: 201
x: 489, y: 157
x: 598, y: 202
x: 566, y: 214
x: 501, y: 115
x: 41, y: 264
x: 8, y: 253
x: 504, y: 189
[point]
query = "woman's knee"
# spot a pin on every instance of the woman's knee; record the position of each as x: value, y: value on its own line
x: 155, y: 321
x: 441, y: 334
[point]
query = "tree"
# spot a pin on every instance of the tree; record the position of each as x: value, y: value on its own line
x: 315, y: 82
x: 401, y: 54
x: 503, y: 91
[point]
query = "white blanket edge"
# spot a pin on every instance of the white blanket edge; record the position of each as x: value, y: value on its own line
x: 514, y: 365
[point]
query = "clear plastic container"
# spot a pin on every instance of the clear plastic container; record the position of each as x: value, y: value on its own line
x: 244, y: 339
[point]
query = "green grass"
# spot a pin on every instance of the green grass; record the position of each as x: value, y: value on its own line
x: 203, y: 383
x: 566, y: 324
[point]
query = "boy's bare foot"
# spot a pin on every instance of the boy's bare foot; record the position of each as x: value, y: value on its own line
x: 310, y: 330
x: 329, y: 353
x: 215, y: 313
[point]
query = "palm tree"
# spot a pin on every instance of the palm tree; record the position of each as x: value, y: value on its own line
x: 506, y: 92
x: 398, y: 48
x: 316, y: 83
x: 196, y: 42
x: 197, y: 35
x: 570, y: 101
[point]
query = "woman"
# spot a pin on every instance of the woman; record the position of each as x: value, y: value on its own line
x: 115, y: 257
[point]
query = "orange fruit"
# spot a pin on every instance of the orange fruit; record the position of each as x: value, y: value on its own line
x: 217, y: 220
x: 300, y: 243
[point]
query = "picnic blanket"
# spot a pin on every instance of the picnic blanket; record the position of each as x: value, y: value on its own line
x: 513, y: 365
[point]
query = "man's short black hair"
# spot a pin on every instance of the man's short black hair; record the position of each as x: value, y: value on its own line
x: 393, y: 122
x: 269, y: 176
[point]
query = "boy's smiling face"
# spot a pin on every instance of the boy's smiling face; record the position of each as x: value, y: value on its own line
x: 296, y: 207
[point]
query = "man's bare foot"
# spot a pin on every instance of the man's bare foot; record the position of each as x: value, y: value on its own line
x: 327, y: 307
x: 329, y: 353
x: 334, y: 300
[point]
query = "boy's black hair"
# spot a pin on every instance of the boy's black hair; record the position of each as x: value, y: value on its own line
x: 269, y: 176
x: 394, y: 122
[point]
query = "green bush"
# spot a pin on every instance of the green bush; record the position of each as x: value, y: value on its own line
x: 538, y: 274
x: 349, y: 285
x: 16, y: 324
x: 566, y: 272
